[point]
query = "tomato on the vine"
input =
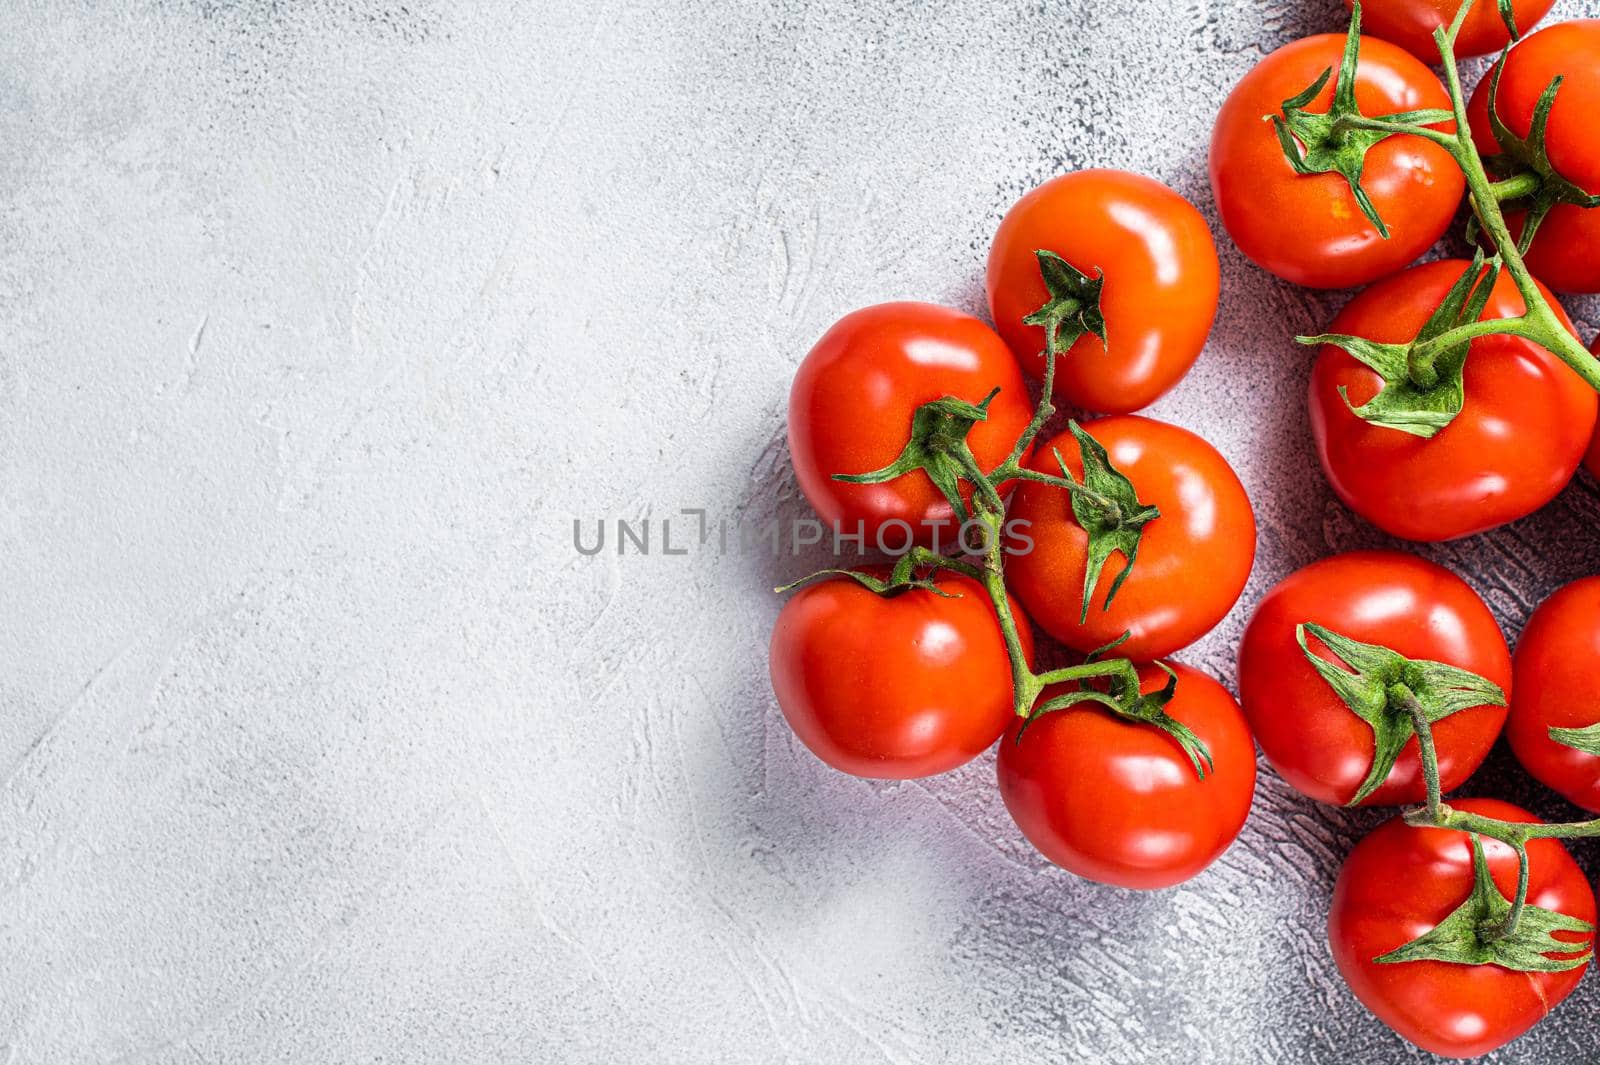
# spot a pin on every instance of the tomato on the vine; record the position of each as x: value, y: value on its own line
x: 852, y: 403
x: 1192, y: 561
x: 1399, y: 883
x: 1118, y: 801
x: 1309, y: 228
x: 1563, y: 251
x: 1410, y: 24
x: 894, y: 687
x: 1557, y: 669
x: 1393, y: 600
x: 1524, y: 424
x: 1158, y: 295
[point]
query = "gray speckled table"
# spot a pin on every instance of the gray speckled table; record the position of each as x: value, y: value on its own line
x: 321, y: 322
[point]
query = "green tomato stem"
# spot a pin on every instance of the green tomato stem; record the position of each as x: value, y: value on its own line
x: 1515, y: 187
x: 1519, y: 903
x: 1423, y: 356
x: 1429, y: 755
x: 1012, y: 466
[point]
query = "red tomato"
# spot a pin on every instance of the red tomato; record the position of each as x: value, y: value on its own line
x: 1119, y: 802
x: 1398, y: 601
x: 1591, y: 461
x: 1562, y: 254
x: 1517, y: 441
x: 1308, y: 228
x: 1193, y: 560
x: 1154, y: 250
x: 1399, y: 883
x: 852, y: 402
x: 898, y: 687
x: 1557, y: 668
x: 1410, y: 24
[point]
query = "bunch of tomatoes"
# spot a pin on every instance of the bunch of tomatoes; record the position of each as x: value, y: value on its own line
x: 1369, y: 678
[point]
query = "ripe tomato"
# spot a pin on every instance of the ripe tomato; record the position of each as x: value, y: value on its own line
x: 1159, y: 294
x: 1119, y: 802
x: 1557, y: 669
x: 1410, y: 24
x: 1399, y: 883
x: 898, y: 687
x: 1562, y: 254
x: 1395, y: 600
x: 1193, y: 560
x: 1591, y: 461
x: 1522, y: 430
x: 1308, y: 228
x: 852, y: 401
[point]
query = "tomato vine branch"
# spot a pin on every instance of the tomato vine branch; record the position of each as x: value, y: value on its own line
x: 1540, y: 323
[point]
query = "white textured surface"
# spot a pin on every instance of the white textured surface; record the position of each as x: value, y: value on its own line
x: 320, y: 322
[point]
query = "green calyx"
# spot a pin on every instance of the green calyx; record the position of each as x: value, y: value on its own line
x: 1423, y: 380
x: 1488, y: 929
x: 1508, y: 15
x: 1107, y: 507
x: 1389, y: 692
x: 1586, y: 740
x: 886, y: 588
x: 914, y: 569
x: 1529, y: 156
x: 1337, y: 142
x: 1073, y: 309
x: 1124, y: 699
x: 938, y: 446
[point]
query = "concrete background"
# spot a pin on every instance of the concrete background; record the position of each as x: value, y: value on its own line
x: 320, y: 322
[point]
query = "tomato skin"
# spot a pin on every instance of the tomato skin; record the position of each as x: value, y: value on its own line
x: 894, y: 688
x: 1562, y: 254
x: 852, y: 401
x: 1308, y: 228
x: 1402, y: 602
x: 1557, y: 669
x: 1591, y: 461
x: 1193, y: 560
x: 1410, y: 24
x: 1524, y: 425
x: 1400, y: 882
x: 1156, y: 253
x: 1119, y: 802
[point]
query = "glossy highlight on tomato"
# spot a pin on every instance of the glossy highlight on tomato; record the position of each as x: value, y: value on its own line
x: 1308, y: 228
x: 852, y: 402
x: 893, y: 687
x: 1159, y: 295
x: 1193, y: 560
x: 1563, y: 251
x: 1410, y: 24
x: 1119, y: 802
x: 1525, y: 422
x: 1399, y: 883
x: 1557, y: 669
x: 1396, y: 600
